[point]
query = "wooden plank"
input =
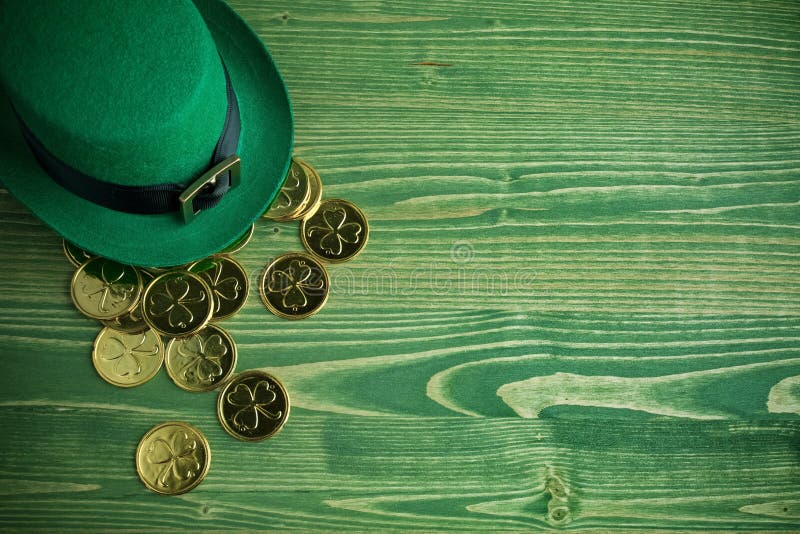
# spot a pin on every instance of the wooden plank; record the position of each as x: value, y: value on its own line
x: 350, y: 472
x: 579, y: 307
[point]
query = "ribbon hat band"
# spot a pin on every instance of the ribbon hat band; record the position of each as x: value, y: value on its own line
x: 199, y: 194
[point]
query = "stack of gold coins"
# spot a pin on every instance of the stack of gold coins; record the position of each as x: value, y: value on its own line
x: 296, y: 285
x: 300, y: 194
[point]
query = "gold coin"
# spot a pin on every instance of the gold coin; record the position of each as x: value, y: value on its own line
x: 177, y: 304
x: 336, y: 232
x: 228, y: 282
x: 133, y: 321
x: 127, y: 360
x: 172, y: 458
x: 315, y: 185
x: 240, y: 242
x: 253, y: 406
x: 293, y: 195
x: 76, y: 255
x: 104, y: 289
x: 203, y: 361
x: 130, y: 323
x: 294, y: 286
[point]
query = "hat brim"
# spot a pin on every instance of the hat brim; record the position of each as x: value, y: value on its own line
x: 265, y: 147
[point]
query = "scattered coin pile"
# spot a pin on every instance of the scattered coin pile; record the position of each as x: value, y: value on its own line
x: 296, y: 285
x: 167, y: 316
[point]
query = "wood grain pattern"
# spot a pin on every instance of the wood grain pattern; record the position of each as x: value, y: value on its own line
x: 579, y: 307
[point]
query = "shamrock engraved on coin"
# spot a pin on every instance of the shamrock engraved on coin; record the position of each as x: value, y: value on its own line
x: 128, y: 358
x: 227, y: 284
x: 201, y: 361
x: 108, y: 286
x: 172, y: 458
x: 226, y: 288
x: 336, y: 231
x: 174, y: 303
x: 203, y: 358
x: 176, y: 456
x: 295, y: 284
x: 291, y: 184
x: 252, y: 404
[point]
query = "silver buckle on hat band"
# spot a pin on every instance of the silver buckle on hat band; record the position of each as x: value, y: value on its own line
x: 186, y: 199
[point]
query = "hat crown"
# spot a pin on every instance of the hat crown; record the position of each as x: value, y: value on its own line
x: 128, y: 92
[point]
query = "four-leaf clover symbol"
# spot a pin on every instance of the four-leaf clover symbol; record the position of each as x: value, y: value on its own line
x: 108, y: 285
x: 203, y: 358
x: 252, y: 404
x: 336, y: 231
x: 127, y: 356
x: 294, y: 284
x: 173, y: 302
x: 177, y: 456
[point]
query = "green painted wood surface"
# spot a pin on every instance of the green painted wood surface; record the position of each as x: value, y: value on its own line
x: 579, y: 307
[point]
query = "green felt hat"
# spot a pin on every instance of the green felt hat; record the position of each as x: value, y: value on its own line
x: 133, y: 95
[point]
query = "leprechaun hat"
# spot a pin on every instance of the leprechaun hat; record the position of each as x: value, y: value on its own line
x: 150, y: 132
